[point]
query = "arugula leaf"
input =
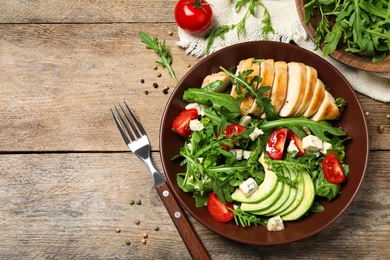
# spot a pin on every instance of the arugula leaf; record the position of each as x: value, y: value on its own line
x: 223, y: 103
x: 246, y: 219
x: 263, y: 102
x: 319, y: 129
x: 161, y: 50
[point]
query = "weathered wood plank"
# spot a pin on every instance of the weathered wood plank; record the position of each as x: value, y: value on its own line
x: 86, y: 11
x: 63, y: 206
x: 57, y: 83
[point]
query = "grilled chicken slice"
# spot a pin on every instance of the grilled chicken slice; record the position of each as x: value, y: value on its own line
x: 328, y: 109
x: 279, y: 86
x: 217, y: 76
x: 318, y: 97
x: 242, y: 66
x: 310, y: 86
x: 296, y: 85
x: 267, y: 74
x: 248, y: 101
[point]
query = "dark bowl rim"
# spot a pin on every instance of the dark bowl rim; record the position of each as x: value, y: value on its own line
x: 188, y: 209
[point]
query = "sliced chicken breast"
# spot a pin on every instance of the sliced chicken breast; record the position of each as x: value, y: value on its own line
x: 318, y: 97
x: 224, y: 77
x: 267, y: 74
x: 328, y: 109
x: 311, y: 81
x: 242, y: 66
x: 296, y: 85
x: 248, y: 101
x: 279, y: 86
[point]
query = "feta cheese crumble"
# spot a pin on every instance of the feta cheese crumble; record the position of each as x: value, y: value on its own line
x: 255, y: 133
x: 196, y: 125
x: 312, y: 143
x: 248, y: 187
x: 275, y: 224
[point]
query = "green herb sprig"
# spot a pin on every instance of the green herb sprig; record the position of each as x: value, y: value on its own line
x: 161, y: 50
x: 220, y: 31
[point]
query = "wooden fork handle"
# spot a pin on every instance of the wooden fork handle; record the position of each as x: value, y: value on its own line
x: 183, y: 225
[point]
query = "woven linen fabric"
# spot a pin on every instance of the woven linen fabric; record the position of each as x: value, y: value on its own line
x: 287, y: 26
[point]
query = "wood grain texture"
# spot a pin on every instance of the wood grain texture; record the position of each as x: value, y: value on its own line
x: 63, y: 206
x: 66, y: 176
x: 58, y: 83
x: 86, y: 11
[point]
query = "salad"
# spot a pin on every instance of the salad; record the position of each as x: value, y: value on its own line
x: 258, y: 169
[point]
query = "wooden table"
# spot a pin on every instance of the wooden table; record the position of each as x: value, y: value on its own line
x: 66, y: 177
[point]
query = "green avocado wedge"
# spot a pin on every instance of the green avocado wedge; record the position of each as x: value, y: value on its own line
x: 266, y: 188
x: 288, y: 202
x: 306, y: 203
x: 277, y: 202
x: 271, y: 200
x: 298, y: 198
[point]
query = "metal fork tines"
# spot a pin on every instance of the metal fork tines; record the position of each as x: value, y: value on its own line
x: 136, y: 138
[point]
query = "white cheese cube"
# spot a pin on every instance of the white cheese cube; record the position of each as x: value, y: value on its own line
x: 325, y: 147
x: 255, y: 133
x: 275, y: 224
x: 292, y: 147
x: 248, y: 187
x: 245, y: 120
x: 196, y: 125
x: 246, y: 154
x: 312, y: 143
x: 198, y: 107
x: 238, y: 153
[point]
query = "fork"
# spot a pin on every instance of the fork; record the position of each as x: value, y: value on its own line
x: 137, y: 140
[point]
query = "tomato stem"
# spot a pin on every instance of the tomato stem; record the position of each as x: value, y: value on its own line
x: 198, y: 4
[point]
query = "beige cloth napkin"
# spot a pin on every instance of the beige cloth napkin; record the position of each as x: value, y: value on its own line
x: 287, y: 26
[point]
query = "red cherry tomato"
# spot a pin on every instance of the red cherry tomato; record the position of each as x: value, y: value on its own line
x: 193, y: 16
x: 333, y: 169
x: 181, y: 124
x: 219, y: 211
x: 229, y: 130
x: 275, y: 144
x: 297, y: 142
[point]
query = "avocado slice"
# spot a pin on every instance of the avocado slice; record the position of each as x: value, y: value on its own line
x: 266, y: 188
x: 265, y: 203
x: 298, y: 198
x: 289, y: 201
x: 307, y: 201
x: 279, y: 202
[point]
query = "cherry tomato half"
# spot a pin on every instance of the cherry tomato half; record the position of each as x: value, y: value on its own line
x: 193, y: 16
x: 218, y: 210
x: 228, y: 132
x: 275, y: 144
x: 297, y: 142
x: 333, y: 169
x: 181, y: 124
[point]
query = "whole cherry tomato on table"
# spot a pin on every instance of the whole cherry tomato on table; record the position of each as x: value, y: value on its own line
x: 219, y: 211
x: 333, y: 169
x: 181, y: 124
x: 193, y: 16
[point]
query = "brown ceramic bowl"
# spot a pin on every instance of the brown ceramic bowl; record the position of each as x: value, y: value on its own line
x: 353, y: 122
x: 353, y: 60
